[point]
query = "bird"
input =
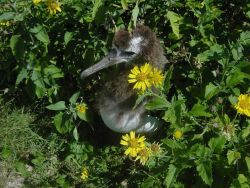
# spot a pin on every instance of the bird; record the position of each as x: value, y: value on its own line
x: 116, y: 101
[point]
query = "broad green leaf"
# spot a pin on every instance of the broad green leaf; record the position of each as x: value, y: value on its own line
x: 149, y: 182
x: 245, y: 38
x: 53, y: 71
x: 41, y: 34
x: 200, y: 110
x: 236, y: 78
x: 217, y: 144
x: 82, y: 116
x: 232, y: 99
x: 210, y: 54
x: 22, y: 74
x: 20, y: 167
x: 96, y: 7
x: 74, y: 97
x: 57, y: 106
x: 168, y: 78
x: 158, y: 103
x: 124, y: 4
x: 210, y: 91
x: 233, y: 156
x: 174, y: 22
x: 170, y: 175
x: 37, y: 79
x: 17, y: 46
x: 245, y: 132
x: 242, y: 180
x: 237, y: 51
x: 173, y: 113
x: 62, y: 123
x: 58, y: 122
x: 247, y: 159
x: 7, y: 16
x: 75, y: 134
x: 205, y: 171
x: 173, y: 144
x: 39, y: 91
x: 135, y: 13
x: 67, y: 37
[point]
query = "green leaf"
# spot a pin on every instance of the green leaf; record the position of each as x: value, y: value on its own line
x: 236, y: 78
x: 243, y: 181
x: 17, y: 46
x: 96, y: 7
x: 74, y: 97
x: 247, y: 159
x: 53, y: 72
x: 75, y: 134
x: 41, y: 34
x: 158, y: 103
x: 7, y: 16
x: 63, y: 123
x: 217, y: 144
x: 57, y: 106
x: 237, y: 51
x: 82, y: 116
x: 174, y: 22
x: 233, y: 156
x: 210, y: 54
x: 168, y: 78
x: 210, y: 91
x: 20, y: 167
x: 22, y: 74
x: 205, y: 171
x: 199, y: 110
x: 37, y: 79
x: 124, y: 4
x: 67, y: 37
x: 245, y: 132
x: 173, y: 113
x: 245, y: 38
x: 135, y: 13
x: 40, y: 92
x: 170, y: 175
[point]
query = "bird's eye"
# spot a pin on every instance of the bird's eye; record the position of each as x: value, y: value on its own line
x: 127, y: 53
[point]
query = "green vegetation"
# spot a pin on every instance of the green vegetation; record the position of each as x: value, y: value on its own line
x: 50, y: 133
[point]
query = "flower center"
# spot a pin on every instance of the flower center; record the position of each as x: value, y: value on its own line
x: 144, y: 153
x: 141, y: 77
x: 244, y: 104
x: 155, y: 147
x: 133, y: 143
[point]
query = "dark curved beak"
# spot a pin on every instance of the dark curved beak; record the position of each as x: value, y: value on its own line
x: 108, y: 61
x: 104, y: 63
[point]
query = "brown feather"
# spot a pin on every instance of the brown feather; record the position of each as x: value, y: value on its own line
x: 117, y: 87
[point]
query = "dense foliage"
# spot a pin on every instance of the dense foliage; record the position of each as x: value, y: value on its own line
x: 61, y: 140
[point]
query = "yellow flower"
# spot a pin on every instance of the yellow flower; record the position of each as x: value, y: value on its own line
x: 5, y: 23
x: 178, y: 134
x: 37, y: 1
x: 132, y: 143
x: 53, y: 6
x: 85, y: 174
x: 143, y: 155
x: 141, y: 77
x: 155, y: 148
x: 82, y: 107
x: 243, y: 105
x: 157, y: 77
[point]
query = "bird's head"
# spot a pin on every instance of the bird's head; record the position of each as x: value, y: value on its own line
x: 126, y: 48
